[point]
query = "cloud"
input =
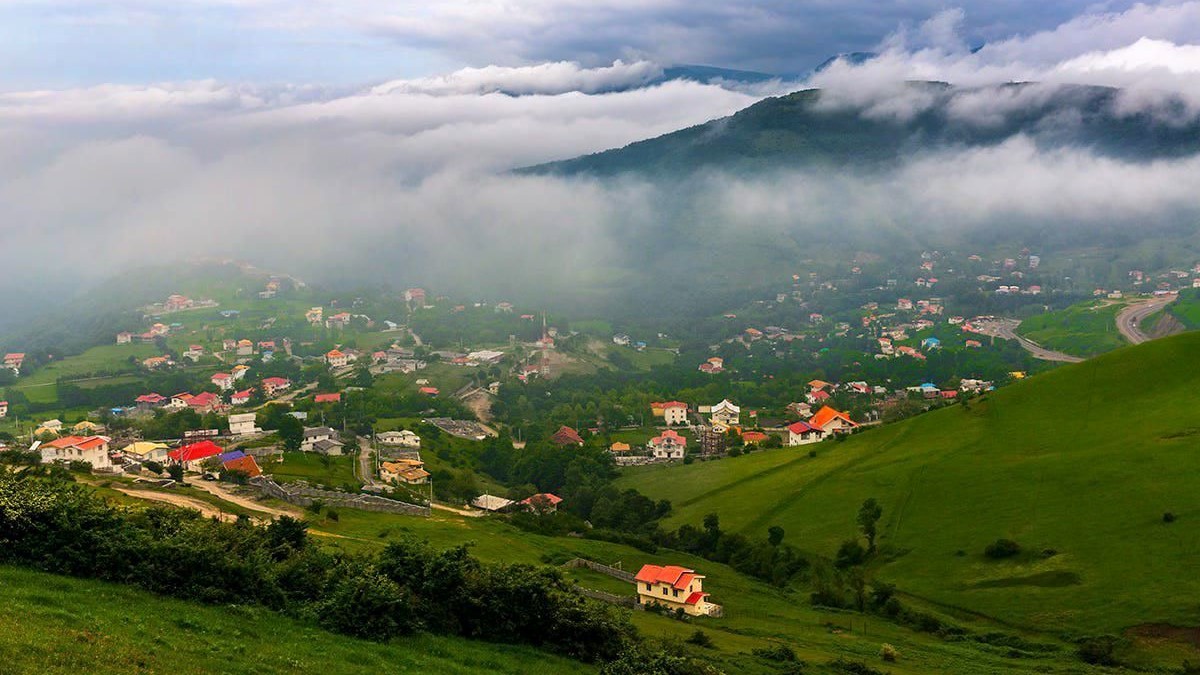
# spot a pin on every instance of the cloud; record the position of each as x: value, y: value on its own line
x: 546, y: 78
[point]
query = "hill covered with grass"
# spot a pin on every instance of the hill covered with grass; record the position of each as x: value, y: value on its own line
x: 1083, y: 329
x: 1083, y: 467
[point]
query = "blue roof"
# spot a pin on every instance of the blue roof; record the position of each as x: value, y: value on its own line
x: 929, y: 385
x: 232, y: 455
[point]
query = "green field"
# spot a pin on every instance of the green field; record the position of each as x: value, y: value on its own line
x: 1187, y: 308
x: 103, y: 361
x: 53, y: 624
x: 1077, y: 465
x: 1085, y: 329
x: 313, y: 467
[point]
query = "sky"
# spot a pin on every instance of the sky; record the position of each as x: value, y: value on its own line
x: 69, y: 43
x: 357, y: 135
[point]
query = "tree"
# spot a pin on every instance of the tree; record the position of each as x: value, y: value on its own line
x: 775, y: 535
x: 175, y: 471
x: 868, y: 518
x: 291, y: 432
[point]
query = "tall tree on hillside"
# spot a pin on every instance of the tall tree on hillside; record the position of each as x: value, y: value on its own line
x: 868, y: 518
x: 291, y: 432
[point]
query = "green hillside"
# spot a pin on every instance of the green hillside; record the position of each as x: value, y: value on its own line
x: 1084, y: 329
x: 53, y: 624
x: 807, y: 129
x: 1078, y: 466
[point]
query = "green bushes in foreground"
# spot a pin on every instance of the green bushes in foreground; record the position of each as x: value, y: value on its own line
x: 63, y: 528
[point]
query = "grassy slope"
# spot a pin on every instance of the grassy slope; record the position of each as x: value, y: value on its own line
x: 1084, y: 329
x: 52, y: 624
x: 1187, y: 308
x: 310, y: 467
x: 1083, y: 460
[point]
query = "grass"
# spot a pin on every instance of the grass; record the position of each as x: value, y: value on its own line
x: 53, y: 624
x: 313, y: 467
x: 1084, y: 329
x: 1077, y: 465
x: 1187, y: 308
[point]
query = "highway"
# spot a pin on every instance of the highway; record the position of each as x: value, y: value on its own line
x: 1006, y: 329
x: 1129, y: 320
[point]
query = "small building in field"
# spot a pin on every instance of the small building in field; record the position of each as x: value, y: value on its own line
x: 671, y: 412
x: 408, y: 471
x: 90, y: 449
x: 403, y: 438
x: 544, y: 502
x: 675, y: 588
x: 803, y: 433
x: 566, y: 436
x: 668, y: 445
x: 242, y: 424
x: 834, y: 421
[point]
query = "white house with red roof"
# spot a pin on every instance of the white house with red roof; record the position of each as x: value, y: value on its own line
x: 668, y: 445
x: 90, y: 449
x: 274, y: 385
x: 223, y: 381
x: 336, y: 358
x: 241, y: 397
x: 3, y: 409
x: 672, y: 412
x: 13, y: 361
x: 191, y: 455
x: 675, y: 588
x: 831, y: 420
x: 545, y: 502
x: 803, y: 433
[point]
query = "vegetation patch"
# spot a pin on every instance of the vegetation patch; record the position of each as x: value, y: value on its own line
x: 1055, y: 579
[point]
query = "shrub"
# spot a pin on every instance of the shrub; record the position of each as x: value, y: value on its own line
x: 780, y: 653
x: 1098, y: 650
x: 700, y: 639
x: 1002, y: 548
x: 888, y: 653
x: 1168, y: 517
x: 850, y: 553
x: 845, y: 665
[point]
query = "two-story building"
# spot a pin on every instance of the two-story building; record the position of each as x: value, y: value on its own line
x: 674, y: 588
x: 668, y: 445
x: 90, y: 449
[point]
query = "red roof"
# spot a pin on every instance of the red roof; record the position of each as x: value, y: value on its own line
x: 669, y: 434
x: 203, y: 399
x: 81, y: 442
x: 754, y: 436
x: 566, y: 436
x: 695, y: 597
x: 327, y: 398
x: 678, y: 577
x: 195, y: 451
x: 245, y: 463
x: 430, y: 391
x: 244, y: 394
x: 826, y: 415
x: 150, y: 398
x: 547, y: 497
x: 803, y: 428
x: 275, y: 381
x: 669, y: 404
x: 222, y: 376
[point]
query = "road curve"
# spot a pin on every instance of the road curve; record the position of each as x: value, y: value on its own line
x: 1007, y: 329
x: 1129, y: 320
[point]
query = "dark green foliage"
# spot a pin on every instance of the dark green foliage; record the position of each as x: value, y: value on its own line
x: 700, y: 639
x: 844, y: 665
x: 777, y: 652
x: 291, y: 432
x: 868, y: 518
x: 1002, y: 548
x: 63, y: 528
x: 1168, y: 517
x: 774, y: 563
x: 1098, y: 650
x: 849, y: 554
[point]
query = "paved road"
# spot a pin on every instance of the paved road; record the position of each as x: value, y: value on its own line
x: 365, y: 466
x: 1129, y: 320
x: 1006, y: 329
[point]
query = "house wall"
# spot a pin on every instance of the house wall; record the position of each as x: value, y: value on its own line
x: 665, y: 594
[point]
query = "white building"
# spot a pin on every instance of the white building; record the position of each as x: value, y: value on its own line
x: 90, y: 449
x: 242, y: 424
x: 726, y: 413
x: 802, y: 433
x: 403, y: 438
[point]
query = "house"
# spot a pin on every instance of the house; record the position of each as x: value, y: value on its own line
x: 973, y: 344
x: 3, y: 409
x: 504, y: 307
x: 713, y: 365
x: 242, y: 424
x: 336, y: 358
x: 85, y: 428
x: 327, y: 398
x: 240, y: 461
x: 156, y: 362
x: 803, y: 410
x: 151, y: 400
x: 429, y: 391
x: 124, y: 337
x: 408, y: 471
x: 725, y: 413
x: 239, y: 371
x: 753, y: 437
x: 485, y: 356
x: 668, y: 445
x: 274, y: 385
x: 803, y: 433
x: 566, y: 436
x: 931, y: 343
x: 321, y: 435
x: 674, y: 588
x: 830, y: 420
x: 816, y: 396
x: 147, y: 451
x: 544, y: 502
x: 622, y: 339
x: 672, y: 412
x: 53, y: 427
x: 90, y: 449
x: 191, y: 455
x: 194, y: 352
x: 402, y: 438
x: 241, y: 397
x: 491, y: 503
x: 415, y: 296
x: 619, y: 448
x: 245, y: 347
x: 206, y: 402
x: 314, y: 315
x: 223, y: 381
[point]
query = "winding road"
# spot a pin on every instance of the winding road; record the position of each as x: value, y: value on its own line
x: 1129, y: 320
x: 1007, y: 329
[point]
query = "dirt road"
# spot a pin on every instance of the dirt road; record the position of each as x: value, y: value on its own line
x: 206, y: 509
x: 223, y: 494
x: 1129, y: 320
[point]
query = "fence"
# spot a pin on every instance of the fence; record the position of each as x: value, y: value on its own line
x: 303, y: 495
x: 597, y: 567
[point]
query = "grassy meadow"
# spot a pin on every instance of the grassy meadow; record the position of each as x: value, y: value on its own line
x: 1078, y: 465
x: 1083, y: 329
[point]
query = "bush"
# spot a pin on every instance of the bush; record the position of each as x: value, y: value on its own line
x: 888, y: 653
x: 845, y: 665
x: 850, y: 554
x: 780, y: 653
x: 700, y: 639
x: 1002, y: 548
x: 1168, y: 517
x: 1098, y: 650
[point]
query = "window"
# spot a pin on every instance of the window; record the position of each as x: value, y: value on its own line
x: 647, y: 586
x: 664, y: 591
x: 677, y: 592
